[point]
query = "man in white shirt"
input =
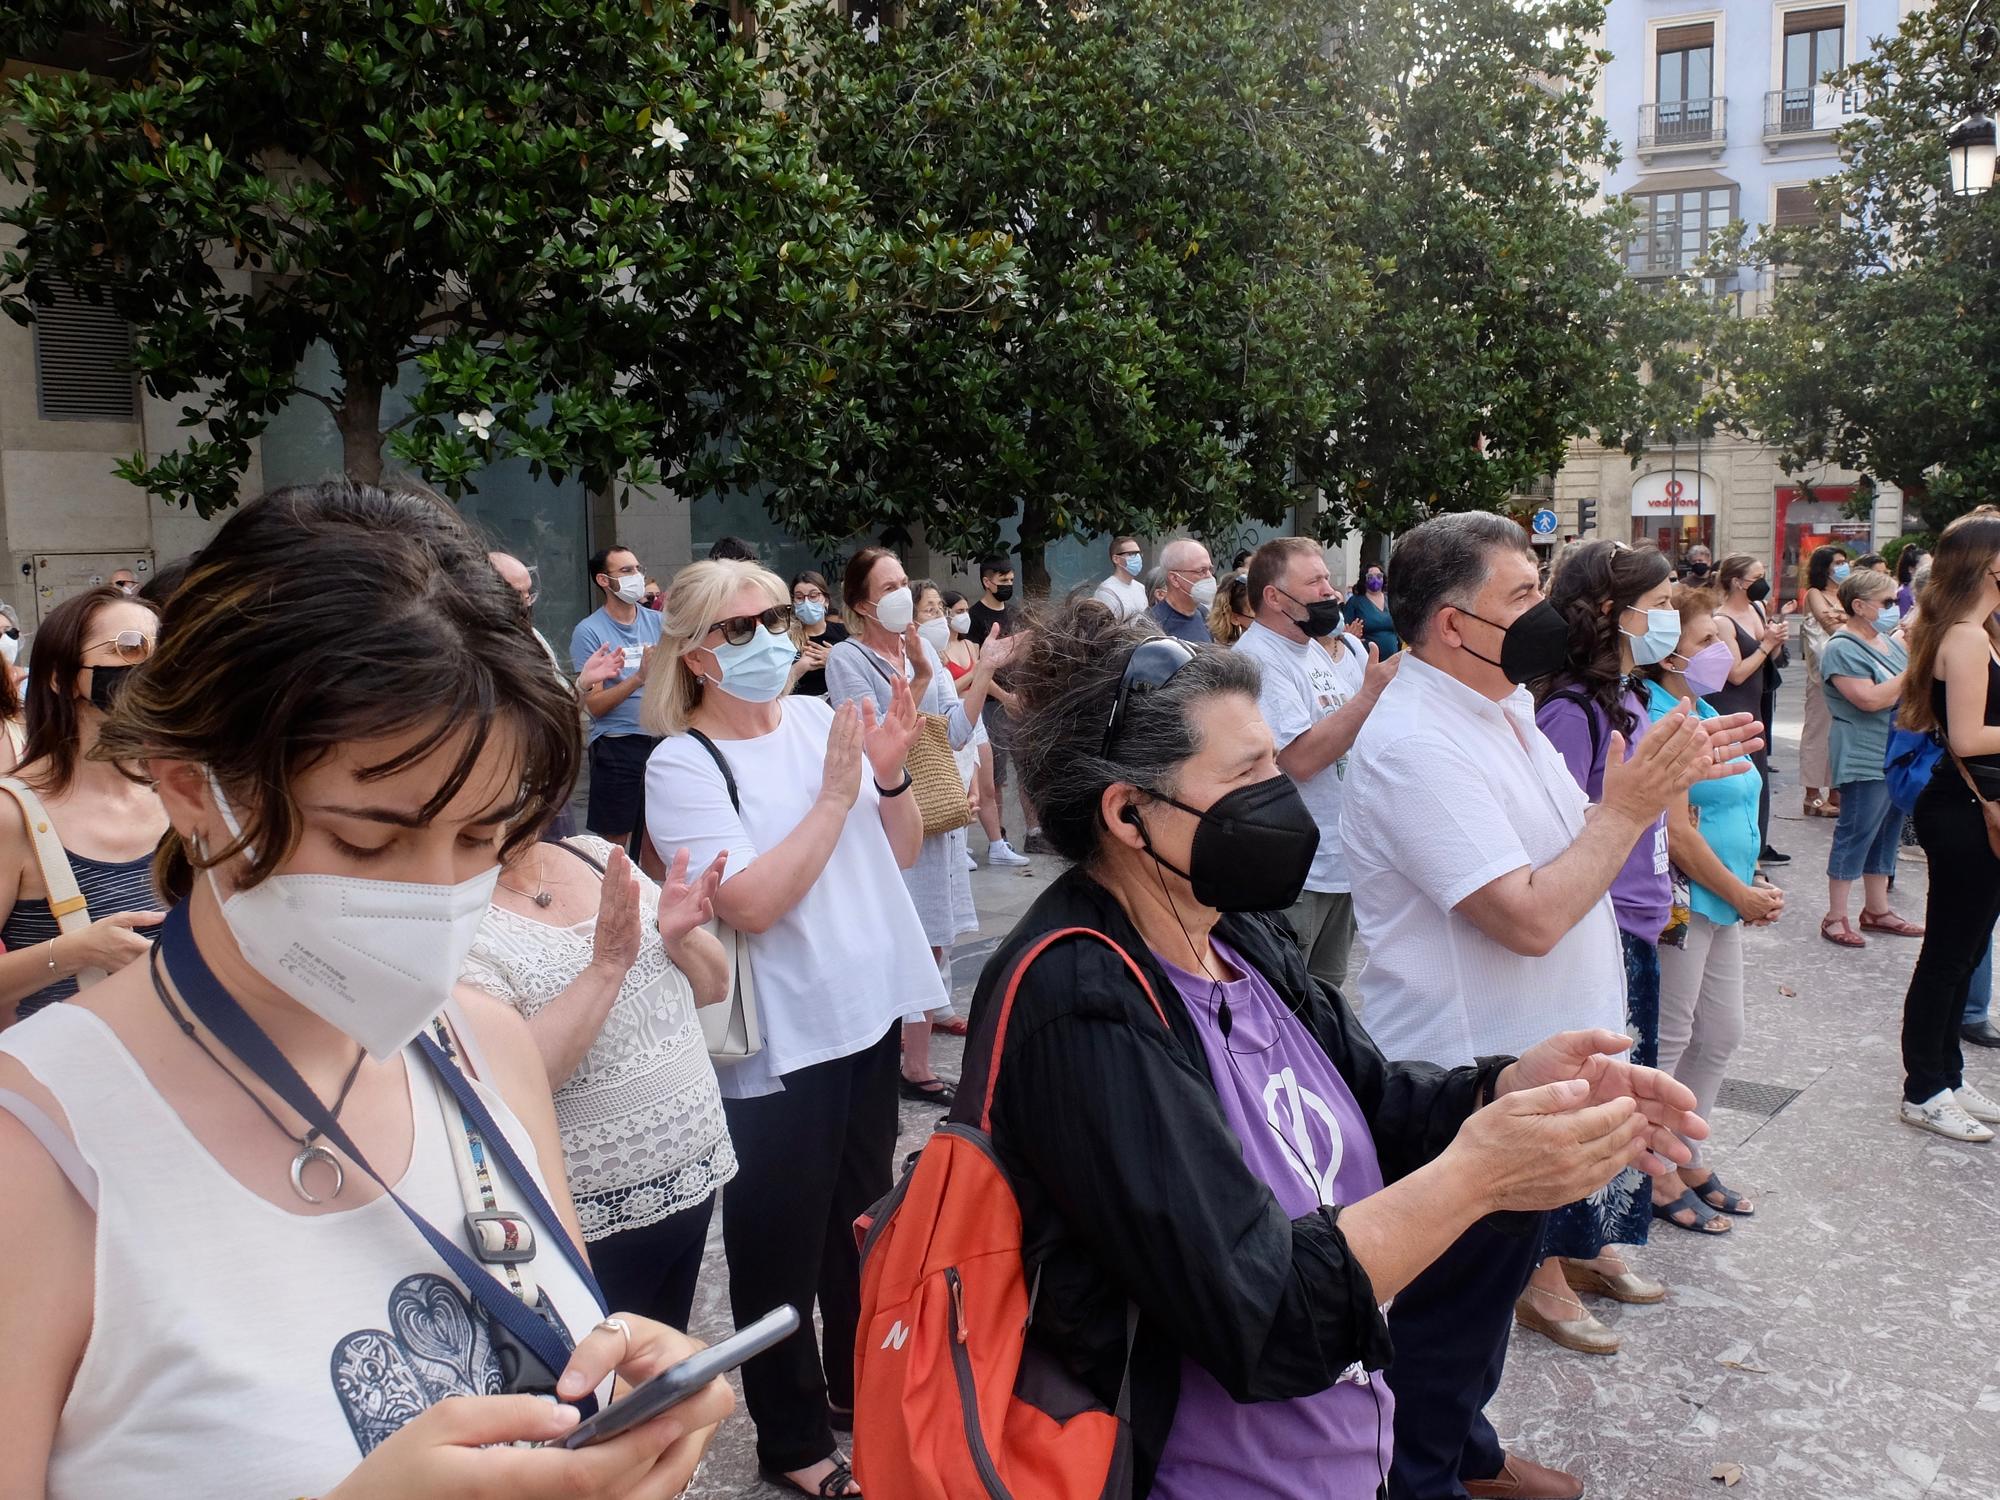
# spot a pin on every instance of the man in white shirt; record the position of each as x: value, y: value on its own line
x: 1122, y: 591
x: 1481, y: 878
x: 1317, y: 692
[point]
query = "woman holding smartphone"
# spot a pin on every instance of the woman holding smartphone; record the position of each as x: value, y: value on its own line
x: 211, y: 1290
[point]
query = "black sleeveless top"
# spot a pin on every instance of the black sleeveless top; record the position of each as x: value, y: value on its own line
x: 1747, y: 696
x: 1988, y: 764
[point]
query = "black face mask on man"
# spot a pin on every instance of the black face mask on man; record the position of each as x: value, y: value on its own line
x: 1323, y: 616
x: 1535, y: 645
x: 1253, y: 849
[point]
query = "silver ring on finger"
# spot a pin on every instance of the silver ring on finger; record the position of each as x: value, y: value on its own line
x: 623, y: 1330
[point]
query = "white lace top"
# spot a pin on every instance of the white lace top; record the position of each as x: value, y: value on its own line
x: 641, y: 1117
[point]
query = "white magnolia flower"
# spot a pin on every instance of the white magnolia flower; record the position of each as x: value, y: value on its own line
x: 667, y: 133
x: 478, y: 423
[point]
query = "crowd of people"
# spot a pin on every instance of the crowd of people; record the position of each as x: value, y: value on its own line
x: 354, y: 1101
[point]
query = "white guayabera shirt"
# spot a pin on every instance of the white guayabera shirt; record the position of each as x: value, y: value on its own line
x: 1446, y: 792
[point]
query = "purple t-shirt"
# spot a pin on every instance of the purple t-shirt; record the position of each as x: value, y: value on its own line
x: 1306, y: 1140
x: 1643, y: 894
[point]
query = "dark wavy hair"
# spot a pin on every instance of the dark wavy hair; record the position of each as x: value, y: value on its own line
x: 1590, y: 576
x: 1067, y: 682
x: 1819, y: 566
x: 52, y: 746
x: 330, y: 614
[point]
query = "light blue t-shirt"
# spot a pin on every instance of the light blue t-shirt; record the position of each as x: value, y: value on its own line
x: 1859, y: 742
x: 1728, y: 809
x: 601, y: 630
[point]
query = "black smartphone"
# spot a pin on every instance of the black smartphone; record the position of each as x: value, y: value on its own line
x: 674, y: 1385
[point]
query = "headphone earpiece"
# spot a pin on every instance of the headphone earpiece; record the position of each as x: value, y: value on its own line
x: 1130, y: 815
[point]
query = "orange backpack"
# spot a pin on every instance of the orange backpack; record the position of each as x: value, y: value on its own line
x: 951, y: 1402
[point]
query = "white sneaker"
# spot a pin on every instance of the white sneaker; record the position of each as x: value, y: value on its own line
x: 1977, y: 1105
x: 1000, y: 853
x: 971, y: 864
x: 1940, y: 1114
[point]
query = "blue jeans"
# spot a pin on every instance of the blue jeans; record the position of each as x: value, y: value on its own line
x: 1979, y: 994
x: 1865, y: 838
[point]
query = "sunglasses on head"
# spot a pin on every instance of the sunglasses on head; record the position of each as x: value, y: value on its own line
x: 738, y: 629
x: 1150, y: 667
x: 131, y: 645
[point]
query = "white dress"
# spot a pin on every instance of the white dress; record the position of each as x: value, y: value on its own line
x: 939, y: 885
x: 641, y: 1117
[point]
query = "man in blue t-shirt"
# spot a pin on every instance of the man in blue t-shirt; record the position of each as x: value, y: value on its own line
x: 1183, y: 614
x: 619, y: 747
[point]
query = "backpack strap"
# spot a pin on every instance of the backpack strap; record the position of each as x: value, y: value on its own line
x: 66, y: 901
x: 728, y: 776
x: 1035, y: 950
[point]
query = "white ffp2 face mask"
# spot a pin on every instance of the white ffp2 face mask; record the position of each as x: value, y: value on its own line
x: 895, y: 609
x: 938, y: 633
x: 375, y: 958
x: 631, y: 588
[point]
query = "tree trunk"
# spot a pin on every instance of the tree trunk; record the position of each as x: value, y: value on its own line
x: 1034, y: 550
x: 360, y: 423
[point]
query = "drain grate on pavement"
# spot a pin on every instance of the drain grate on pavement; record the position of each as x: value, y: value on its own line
x: 1754, y: 1098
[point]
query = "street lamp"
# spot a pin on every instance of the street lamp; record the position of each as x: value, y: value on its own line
x: 1973, y: 144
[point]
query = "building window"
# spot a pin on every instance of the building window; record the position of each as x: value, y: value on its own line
x: 1796, y: 208
x: 83, y: 360
x: 1684, y: 77
x: 1675, y: 229
x: 1814, y: 48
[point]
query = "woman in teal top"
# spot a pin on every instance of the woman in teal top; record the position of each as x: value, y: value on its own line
x: 1712, y: 839
x: 1862, y: 670
x: 1370, y: 605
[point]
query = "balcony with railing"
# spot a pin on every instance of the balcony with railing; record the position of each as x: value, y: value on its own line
x: 1807, y: 113
x: 1682, y: 124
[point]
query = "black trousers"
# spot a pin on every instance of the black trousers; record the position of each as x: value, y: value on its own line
x: 812, y: 1159
x: 1450, y: 1328
x: 1959, y: 914
x: 653, y: 1271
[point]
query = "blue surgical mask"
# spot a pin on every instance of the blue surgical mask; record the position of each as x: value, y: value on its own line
x: 1663, y: 633
x: 758, y: 670
x: 1132, y: 564
x: 1890, y: 616
x: 1841, y: 572
x: 809, y: 611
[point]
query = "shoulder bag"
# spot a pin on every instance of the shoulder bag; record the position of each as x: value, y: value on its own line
x: 1988, y: 809
x: 934, y: 778
x: 66, y: 901
x: 733, y: 1027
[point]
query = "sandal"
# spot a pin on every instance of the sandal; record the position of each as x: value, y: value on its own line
x: 1841, y: 931
x: 956, y: 1026
x: 1732, y: 1202
x: 838, y: 1478
x: 1889, y: 922
x: 1705, y: 1218
x: 927, y: 1091
x: 1819, y: 807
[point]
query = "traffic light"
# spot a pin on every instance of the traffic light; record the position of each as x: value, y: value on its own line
x: 1586, y: 516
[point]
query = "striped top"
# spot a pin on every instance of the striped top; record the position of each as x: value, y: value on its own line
x: 107, y: 890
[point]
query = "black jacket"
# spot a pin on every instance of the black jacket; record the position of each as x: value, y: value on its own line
x: 1132, y: 1185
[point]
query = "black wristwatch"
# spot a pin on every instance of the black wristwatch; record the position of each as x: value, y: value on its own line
x: 895, y: 791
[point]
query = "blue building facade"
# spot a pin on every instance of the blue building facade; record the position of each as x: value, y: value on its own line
x: 1724, y: 113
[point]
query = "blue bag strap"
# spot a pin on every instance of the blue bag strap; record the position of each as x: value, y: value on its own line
x: 219, y: 1012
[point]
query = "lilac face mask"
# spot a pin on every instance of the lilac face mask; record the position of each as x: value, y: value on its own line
x: 1707, y: 671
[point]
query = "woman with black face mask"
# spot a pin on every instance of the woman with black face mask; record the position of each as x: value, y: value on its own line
x: 1202, y: 1139
x: 1756, y: 637
x: 105, y: 824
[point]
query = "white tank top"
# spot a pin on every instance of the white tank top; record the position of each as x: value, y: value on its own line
x: 237, y: 1348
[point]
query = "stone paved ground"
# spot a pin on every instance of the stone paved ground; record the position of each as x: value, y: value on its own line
x: 1842, y: 1345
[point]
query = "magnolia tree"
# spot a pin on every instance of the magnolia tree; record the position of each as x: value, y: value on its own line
x: 586, y: 228
x: 1882, y: 351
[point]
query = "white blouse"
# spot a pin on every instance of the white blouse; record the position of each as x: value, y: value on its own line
x: 641, y: 1117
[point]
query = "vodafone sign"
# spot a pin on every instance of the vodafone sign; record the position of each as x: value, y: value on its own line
x: 1686, y: 492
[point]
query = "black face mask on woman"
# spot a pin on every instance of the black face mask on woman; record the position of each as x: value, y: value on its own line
x: 1759, y: 591
x: 1253, y: 849
x: 1535, y: 645
x: 105, y: 685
